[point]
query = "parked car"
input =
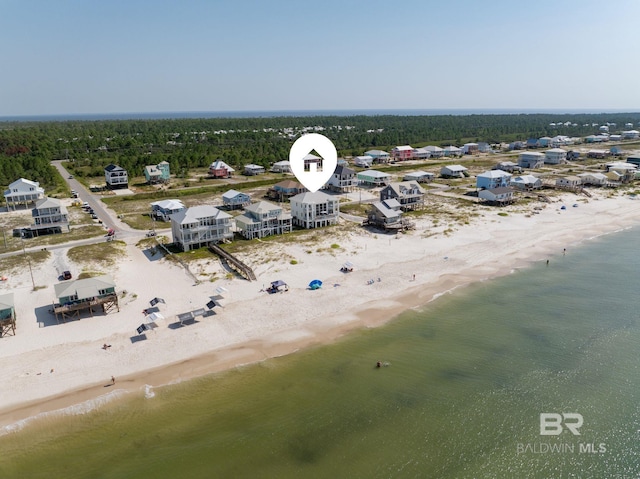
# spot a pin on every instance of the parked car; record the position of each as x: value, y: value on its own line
x: 150, y: 234
x: 94, y: 216
x: 66, y: 275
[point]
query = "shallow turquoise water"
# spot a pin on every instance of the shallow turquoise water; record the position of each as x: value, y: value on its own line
x: 468, y: 378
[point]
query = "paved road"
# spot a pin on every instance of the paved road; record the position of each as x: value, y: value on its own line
x: 108, y: 216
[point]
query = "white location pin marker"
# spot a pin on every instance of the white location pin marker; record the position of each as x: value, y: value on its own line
x: 311, y: 170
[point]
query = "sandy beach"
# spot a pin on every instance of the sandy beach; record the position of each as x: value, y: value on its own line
x: 49, y: 366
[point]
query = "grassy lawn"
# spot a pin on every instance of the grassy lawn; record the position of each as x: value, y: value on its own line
x: 104, y: 254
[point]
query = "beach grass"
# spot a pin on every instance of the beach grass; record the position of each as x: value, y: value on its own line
x: 104, y: 254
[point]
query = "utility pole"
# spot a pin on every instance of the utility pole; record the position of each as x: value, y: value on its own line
x: 28, y: 260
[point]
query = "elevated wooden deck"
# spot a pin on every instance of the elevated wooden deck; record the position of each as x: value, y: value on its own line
x: 71, y: 311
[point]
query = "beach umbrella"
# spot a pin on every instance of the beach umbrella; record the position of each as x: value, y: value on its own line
x: 315, y: 284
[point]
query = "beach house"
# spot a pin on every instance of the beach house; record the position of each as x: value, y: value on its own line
x: 493, y: 179
x: 374, y: 178
x: 23, y: 192
x: 116, y: 177
x: 49, y: 216
x: 198, y: 226
x: 342, y: 180
x: 253, y: 170
x: 263, y: 219
x: 159, y: 173
x: 434, y: 151
x: 235, y: 199
x: 364, y: 161
x: 526, y: 182
x: 219, y: 169
x: 630, y: 134
x: 408, y: 193
x: 385, y: 215
x: 402, y: 153
x: 509, y: 167
x: 314, y: 210
x: 84, y: 294
x: 421, y: 154
x: 531, y: 159
x: 285, y: 189
x: 599, y: 154
x: 281, y: 167
x: 163, y: 209
x: 592, y: 178
x: 470, y: 149
x: 419, y: 176
x: 7, y: 315
x: 497, y: 196
x: 452, y: 151
x: 555, y: 156
x: 378, y: 156
x: 453, y: 171
x: 569, y: 182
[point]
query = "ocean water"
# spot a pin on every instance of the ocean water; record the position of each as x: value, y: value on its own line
x: 468, y: 376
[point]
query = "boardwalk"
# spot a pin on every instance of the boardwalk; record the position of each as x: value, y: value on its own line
x: 233, y: 262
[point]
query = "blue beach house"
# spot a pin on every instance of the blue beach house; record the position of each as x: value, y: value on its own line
x: 493, y: 179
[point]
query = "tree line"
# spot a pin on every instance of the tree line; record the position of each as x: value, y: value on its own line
x: 26, y: 148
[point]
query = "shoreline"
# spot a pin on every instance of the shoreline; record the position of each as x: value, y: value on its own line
x: 322, y: 326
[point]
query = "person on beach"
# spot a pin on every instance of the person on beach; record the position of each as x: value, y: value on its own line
x: 113, y: 380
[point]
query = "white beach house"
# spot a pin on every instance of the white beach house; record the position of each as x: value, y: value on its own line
x: 198, y: 226
x: 23, y: 192
x: 453, y: 171
x: 531, y: 159
x: 314, y: 210
x: 116, y: 177
x: 263, y: 219
x: 374, y: 178
x: 555, y: 156
x: 162, y: 210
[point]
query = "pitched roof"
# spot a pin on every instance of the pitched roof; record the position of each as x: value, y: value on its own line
x: 196, y: 213
x: 494, y: 174
x: 500, y: 190
x: 24, y: 181
x: 455, y: 168
x: 403, y: 148
x: 373, y: 174
x: 376, y: 153
x: 401, y: 187
x: 111, y: 167
x: 419, y: 174
x: 312, y: 198
x: 6, y: 301
x: 385, y: 210
x: 84, y: 288
x: 229, y: 195
x: 219, y: 164
x: 289, y: 185
x: 343, y: 170
x: 47, y: 202
x: 168, y: 204
x: 262, y: 207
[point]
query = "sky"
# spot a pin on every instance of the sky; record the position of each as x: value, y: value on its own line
x: 85, y: 57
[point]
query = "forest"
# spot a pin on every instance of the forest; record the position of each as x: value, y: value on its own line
x: 26, y: 148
